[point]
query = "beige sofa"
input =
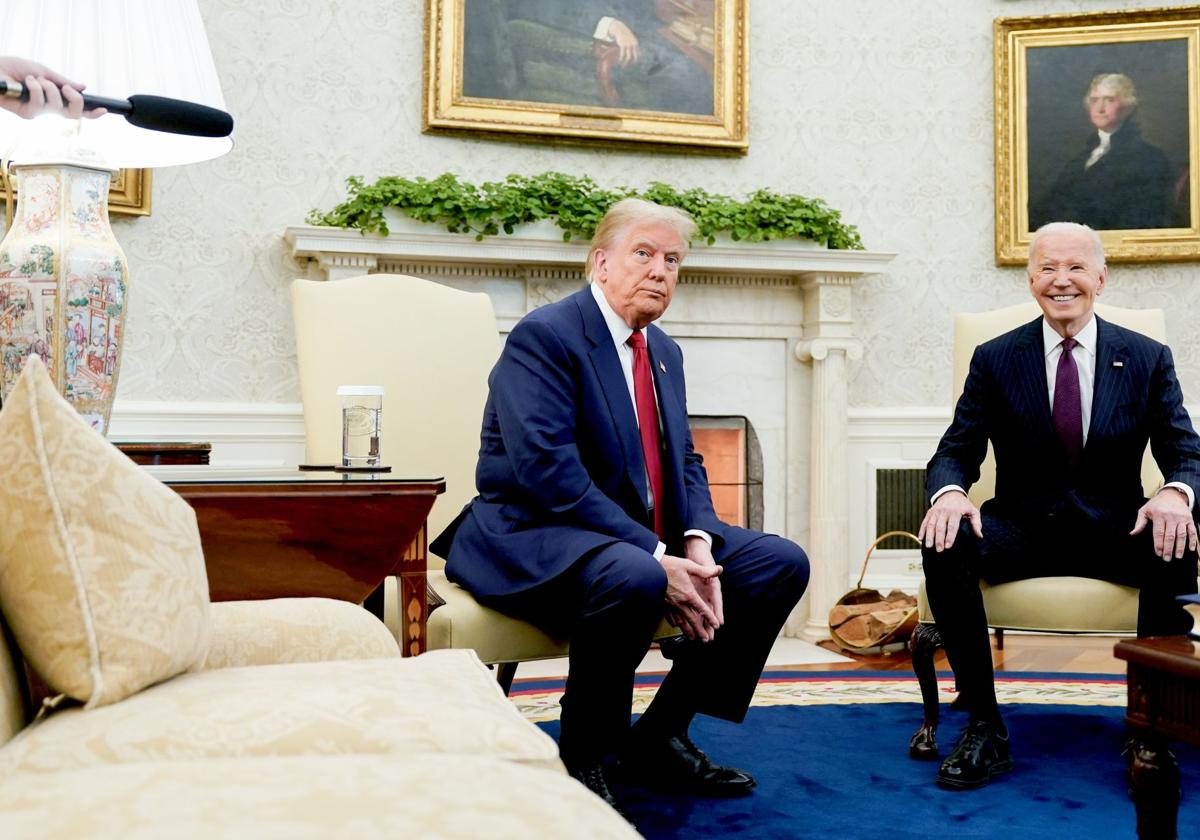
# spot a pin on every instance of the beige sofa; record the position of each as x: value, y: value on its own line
x: 174, y: 717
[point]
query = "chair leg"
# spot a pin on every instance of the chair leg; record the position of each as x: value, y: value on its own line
x: 925, y: 643
x: 999, y: 638
x: 505, y: 671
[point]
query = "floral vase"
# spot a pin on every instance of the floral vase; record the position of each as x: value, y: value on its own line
x: 63, y: 284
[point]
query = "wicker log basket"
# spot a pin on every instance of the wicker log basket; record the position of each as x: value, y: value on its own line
x: 865, y: 618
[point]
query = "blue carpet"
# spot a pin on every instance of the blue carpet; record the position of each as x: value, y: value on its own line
x: 842, y: 772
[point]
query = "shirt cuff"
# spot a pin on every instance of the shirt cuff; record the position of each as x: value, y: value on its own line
x: 1187, y: 491
x: 601, y: 33
x: 659, y: 551
x: 696, y: 532
x: 945, y: 490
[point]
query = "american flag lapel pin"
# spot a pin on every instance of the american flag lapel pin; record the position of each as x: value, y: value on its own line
x: 662, y: 367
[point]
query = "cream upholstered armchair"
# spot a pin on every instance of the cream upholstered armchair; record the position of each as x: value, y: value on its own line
x: 431, y: 347
x: 1048, y: 604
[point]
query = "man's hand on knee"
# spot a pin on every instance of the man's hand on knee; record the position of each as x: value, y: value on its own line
x: 940, y: 525
x: 687, y: 608
x: 1173, y: 529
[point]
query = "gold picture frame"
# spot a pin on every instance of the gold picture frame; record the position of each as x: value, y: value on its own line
x: 568, y: 72
x: 1141, y: 191
x: 128, y: 194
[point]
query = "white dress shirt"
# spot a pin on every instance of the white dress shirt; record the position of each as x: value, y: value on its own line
x: 1084, y: 354
x: 620, y: 332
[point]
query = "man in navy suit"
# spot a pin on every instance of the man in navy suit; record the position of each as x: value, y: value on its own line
x: 594, y: 519
x: 1069, y: 403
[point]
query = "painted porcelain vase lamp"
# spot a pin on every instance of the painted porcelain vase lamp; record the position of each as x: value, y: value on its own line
x: 64, y: 280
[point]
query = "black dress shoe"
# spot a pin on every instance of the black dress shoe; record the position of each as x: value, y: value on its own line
x: 980, y: 754
x: 594, y: 778
x: 679, y: 765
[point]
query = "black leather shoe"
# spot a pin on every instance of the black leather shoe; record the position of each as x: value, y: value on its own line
x: 595, y: 778
x: 980, y: 754
x: 679, y: 765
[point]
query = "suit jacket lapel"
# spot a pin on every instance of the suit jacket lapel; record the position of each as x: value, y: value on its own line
x: 1030, y: 379
x: 671, y: 412
x: 1110, y: 376
x: 616, y: 392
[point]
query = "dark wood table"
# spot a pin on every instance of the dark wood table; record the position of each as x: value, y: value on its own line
x: 1164, y: 705
x: 288, y: 533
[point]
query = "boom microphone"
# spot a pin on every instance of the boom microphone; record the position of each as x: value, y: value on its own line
x: 157, y: 113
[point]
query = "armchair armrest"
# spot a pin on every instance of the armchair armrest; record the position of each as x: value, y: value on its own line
x: 282, y: 630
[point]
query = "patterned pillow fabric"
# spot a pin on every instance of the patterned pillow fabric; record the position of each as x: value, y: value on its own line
x: 102, y: 578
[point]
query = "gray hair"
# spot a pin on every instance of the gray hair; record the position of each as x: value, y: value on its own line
x: 629, y: 211
x: 1119, y: 82
x: 1064, y: 227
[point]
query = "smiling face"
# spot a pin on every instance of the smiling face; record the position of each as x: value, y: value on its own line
x: 639, y: 271
x: 1065, y: 276
x: 1105, y: 107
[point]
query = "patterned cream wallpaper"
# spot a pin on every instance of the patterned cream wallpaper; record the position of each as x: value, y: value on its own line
x: 882, y: 107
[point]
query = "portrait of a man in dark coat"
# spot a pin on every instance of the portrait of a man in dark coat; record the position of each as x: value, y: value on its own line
x: 1116, y: 180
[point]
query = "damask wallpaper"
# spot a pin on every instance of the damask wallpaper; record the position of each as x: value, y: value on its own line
x: 882, y: 107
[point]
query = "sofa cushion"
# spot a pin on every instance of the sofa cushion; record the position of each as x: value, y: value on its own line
x: 450, y: 797
x: 102, y: 577
x: 279, y: 630
x: 441, y: 702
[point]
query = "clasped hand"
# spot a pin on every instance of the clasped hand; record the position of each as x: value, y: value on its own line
x: 1173, y: 527
x: 693, y: 596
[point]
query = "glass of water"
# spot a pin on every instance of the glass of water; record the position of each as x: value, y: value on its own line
x: 362, y: 424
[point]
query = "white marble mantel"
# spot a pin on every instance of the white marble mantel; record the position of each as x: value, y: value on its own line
x: 767, y: 330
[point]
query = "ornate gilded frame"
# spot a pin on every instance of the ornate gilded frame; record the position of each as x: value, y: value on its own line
x: 447, y: 109
x: 128, y: 194
x: 1122, y: 32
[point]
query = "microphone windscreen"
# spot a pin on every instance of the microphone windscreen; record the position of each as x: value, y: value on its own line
x: 178, y: 116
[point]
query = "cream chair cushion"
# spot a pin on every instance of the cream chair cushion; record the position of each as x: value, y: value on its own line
x: 496, y: 637
x: 442, y: 702
x: 280, y: 630
x: 102, y: 577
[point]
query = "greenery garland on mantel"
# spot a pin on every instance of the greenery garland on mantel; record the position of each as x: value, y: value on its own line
x: 576, y: 204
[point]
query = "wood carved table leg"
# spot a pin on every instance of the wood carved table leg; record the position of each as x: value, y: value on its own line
x: 414, y: 607
x: 1154, y: 786
x: 925, y: 643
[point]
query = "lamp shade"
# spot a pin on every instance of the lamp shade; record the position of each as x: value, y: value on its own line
x: 118, y: 48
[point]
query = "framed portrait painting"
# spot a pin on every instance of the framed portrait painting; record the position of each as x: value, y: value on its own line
x: 1096, y: 122
x: 665, y: 72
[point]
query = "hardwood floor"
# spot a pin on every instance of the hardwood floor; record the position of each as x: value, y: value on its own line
x: 1022, y: 652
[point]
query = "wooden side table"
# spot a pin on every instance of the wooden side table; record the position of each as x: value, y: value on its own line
x: 1164, y: 704
x: 289, y: 533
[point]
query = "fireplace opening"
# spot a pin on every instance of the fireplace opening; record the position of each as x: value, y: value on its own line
x: 733, y: 458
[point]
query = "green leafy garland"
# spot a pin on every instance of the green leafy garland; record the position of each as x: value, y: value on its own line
x: 576, y: 205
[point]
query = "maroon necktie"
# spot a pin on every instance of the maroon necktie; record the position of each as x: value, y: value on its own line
x: 1068, y: 410
x: 647, y: 413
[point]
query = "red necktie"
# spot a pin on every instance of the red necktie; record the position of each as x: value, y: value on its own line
x: 647, y: 413
x: 1068, y: 408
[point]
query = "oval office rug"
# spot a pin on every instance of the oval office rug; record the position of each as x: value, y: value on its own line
x: 829, y: 750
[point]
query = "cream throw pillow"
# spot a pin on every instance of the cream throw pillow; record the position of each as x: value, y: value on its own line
x: 102, y: 578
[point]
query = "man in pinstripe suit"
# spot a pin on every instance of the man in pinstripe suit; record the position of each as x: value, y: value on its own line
x: 1069, y: 403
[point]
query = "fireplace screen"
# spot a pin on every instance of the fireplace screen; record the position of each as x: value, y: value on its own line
x: 733, y: 459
